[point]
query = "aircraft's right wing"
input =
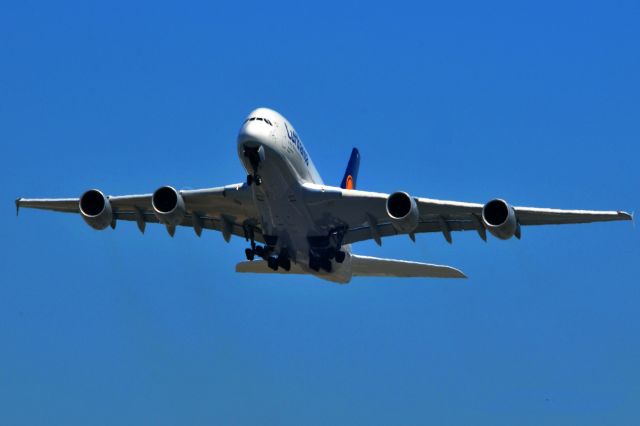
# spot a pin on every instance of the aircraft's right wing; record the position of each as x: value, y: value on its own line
x: 226, y: 209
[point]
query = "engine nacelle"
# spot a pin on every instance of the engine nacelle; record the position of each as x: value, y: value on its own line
x: 402, y: 209
x: 95, y: 209
x: 500, y: 219
x: 168, y: 205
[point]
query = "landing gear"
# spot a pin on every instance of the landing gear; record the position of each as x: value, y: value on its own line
x: 284, y: 263
x: 340, y: 255
x: 283, y: 259
x: 250, y: 254
x: 257, y: 179
x: 272, y: 262
x: 326, y: 264
x: 316, y: 263
x: 254, y: 249
x: 255, y: 156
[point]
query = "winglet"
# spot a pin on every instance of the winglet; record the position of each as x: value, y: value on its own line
x: 351, y: 174
x: 626, y: 216
x: 18, y: 205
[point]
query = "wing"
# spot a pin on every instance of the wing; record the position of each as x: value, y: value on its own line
x: 362, y: 215
x: 228, y: 209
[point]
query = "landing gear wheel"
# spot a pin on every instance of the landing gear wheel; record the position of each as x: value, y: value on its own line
x: 340, y: 255
x: 258, y: 180
x: 326, y: 264
x: 249, y: 253
x: 314, y: 264
x: 284, y: 263
x: 272, y: 262
x: 249, y: 180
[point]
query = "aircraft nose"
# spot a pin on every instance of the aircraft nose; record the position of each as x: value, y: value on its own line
x: 253, y: 132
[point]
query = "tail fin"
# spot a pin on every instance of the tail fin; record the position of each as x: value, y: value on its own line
x: 351, y: 174
x: 366, y: 266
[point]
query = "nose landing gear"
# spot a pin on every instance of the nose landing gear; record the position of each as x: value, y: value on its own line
x: 257, y: 179
x: 255, y: 156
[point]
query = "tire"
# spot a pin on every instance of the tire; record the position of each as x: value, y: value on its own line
x: 314, y: 264
x: 340, y: 255
x: 272, y: 262
x: 249, y: 253
x: 326, y: 265
x: 284, y: 263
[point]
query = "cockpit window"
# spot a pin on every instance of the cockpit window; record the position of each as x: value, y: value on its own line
x: 258, y: 118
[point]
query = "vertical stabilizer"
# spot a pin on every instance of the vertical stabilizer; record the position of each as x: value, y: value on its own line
x: 351, y: 174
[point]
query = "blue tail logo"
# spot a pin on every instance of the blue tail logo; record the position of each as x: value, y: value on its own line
x: 351, y: 174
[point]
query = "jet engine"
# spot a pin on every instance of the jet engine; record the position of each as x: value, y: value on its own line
x: 403, y: 212
x: 95, y: 209
x: 500, y: 219
x: 168, y: 206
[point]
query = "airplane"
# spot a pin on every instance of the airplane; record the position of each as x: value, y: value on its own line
x: 296, y: 224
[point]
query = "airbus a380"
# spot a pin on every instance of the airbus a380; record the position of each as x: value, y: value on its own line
x: 295, y: 224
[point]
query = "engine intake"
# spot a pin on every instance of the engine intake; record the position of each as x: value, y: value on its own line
x: 168, y: 205
x: 500, y: 219
x: 403, y: 212
x: 95, y: 209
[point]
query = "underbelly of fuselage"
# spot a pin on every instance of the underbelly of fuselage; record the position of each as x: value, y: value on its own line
x: 284, y: 216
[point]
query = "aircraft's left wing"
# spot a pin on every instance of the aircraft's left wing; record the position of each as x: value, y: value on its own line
x: 362, y: 215
x: 226, y: 209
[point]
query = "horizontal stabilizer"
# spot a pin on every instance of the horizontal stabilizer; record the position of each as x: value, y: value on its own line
x: 365, y: 266
x: 261, y: 267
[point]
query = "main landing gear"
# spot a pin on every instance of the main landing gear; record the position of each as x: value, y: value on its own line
x: 282, y: 260
x: 317, y: 263
x: 324, y: 262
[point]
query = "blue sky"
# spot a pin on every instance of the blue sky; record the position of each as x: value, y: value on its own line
x: 534, y: 102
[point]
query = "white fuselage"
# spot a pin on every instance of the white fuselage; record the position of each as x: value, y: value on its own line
x: 281, y: 200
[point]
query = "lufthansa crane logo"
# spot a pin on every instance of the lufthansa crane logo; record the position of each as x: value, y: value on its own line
x: 349, y: 184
